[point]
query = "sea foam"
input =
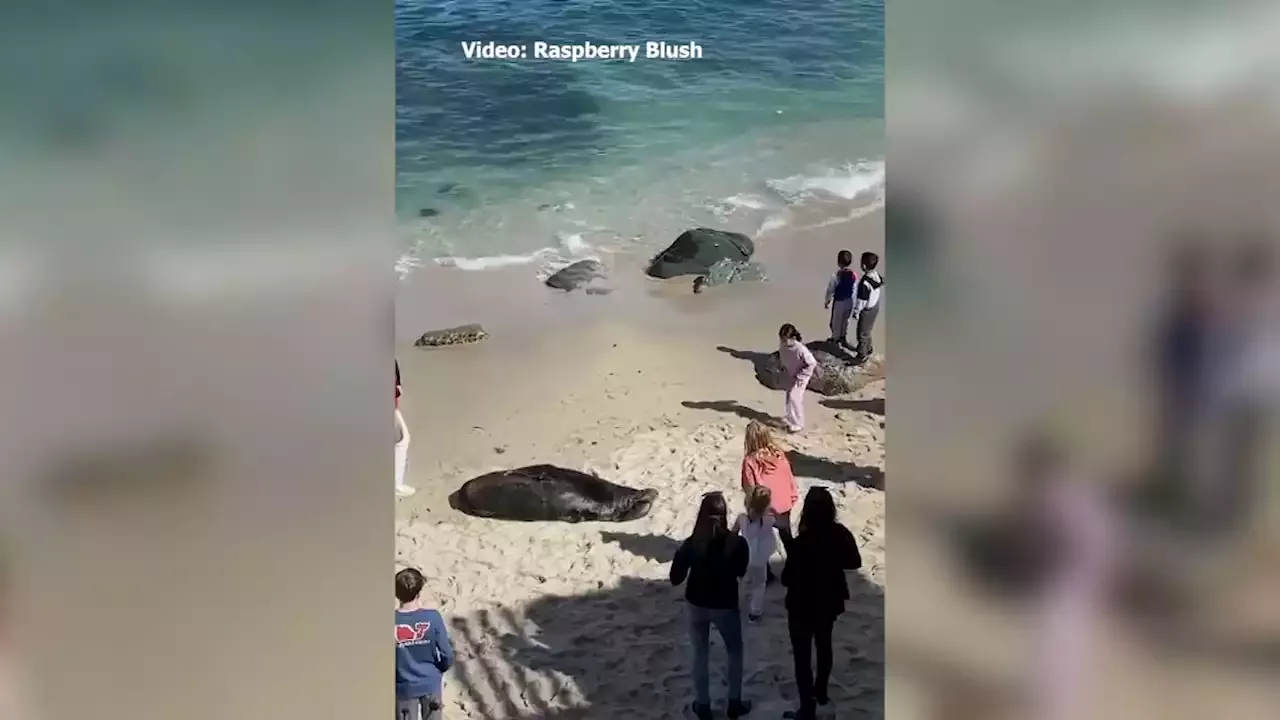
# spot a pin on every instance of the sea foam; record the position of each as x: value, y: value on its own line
x: 569, y: 247
x: 853, y: 182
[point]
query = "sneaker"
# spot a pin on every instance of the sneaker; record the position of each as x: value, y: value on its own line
x: 821, y: 697
x: 701, y: 712
x: 801, y: 714
x: 738, y: 708
x: 405, y: 491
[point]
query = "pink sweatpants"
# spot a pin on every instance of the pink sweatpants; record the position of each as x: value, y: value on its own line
x: 793, y: 406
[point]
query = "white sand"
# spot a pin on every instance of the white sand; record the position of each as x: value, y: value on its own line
x: 549, y: 617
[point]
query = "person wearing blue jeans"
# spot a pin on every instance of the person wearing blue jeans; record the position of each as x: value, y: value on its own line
x: 712, y: 560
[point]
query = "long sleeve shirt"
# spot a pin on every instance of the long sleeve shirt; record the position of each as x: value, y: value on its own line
x: 773, y: 472
x: 712, y: 572
x: 797, y: 360
x: 814, y: 573
x: 868, y: 292
x: 841, y: 284
x: 424, y: 653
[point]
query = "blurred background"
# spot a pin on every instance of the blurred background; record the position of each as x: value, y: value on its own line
x: 1085, y: 360
x: 195, y: 358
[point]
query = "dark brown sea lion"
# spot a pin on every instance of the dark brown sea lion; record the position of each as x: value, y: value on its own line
x: 550, y: 493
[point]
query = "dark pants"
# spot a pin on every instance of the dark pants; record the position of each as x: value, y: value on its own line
x: 808, y: 634
x: 866, y: 321
x: 420, y: 708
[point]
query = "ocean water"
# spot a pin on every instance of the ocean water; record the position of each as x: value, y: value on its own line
x: 541, y: 162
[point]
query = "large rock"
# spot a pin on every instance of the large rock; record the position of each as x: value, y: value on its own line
x: 461, y: 335
x: 835, y: 375
x: 589, y: 275
x: 695, y: 251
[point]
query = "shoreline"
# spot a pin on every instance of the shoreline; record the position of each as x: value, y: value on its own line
x: 513, y: 301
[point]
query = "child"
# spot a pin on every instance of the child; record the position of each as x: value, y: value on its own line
x: 423, y: 652
x: 402, y: 456
x: 765, y: 463
x: 798, y: 365
x: 839, y: 297
x: 402, y: 444
x: 756, y: 527
x: 866, y: 304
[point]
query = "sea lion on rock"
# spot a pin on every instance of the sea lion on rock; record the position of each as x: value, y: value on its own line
x: 547, y: 492
x: 697, y: 250
x: 461, y: 335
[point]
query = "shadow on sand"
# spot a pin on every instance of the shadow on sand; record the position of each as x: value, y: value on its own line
x: 875, y: 406
x: 734, y: 408
x: 765, y: 368
x: 805, y: 465
x: 658, y: 548
x: 558, y: 659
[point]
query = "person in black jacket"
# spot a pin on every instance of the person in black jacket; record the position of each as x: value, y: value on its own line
x: 713, y: 559
x: 821, y: 552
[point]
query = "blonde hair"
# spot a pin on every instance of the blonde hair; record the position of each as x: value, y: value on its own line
x: 759, y: 439
x: 758, y: 498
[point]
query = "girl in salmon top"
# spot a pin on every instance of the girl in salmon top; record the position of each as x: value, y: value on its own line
x: 765, y: 463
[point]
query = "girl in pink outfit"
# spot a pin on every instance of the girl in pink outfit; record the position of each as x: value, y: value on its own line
x: 1079, y: 543
x: 798, y: 365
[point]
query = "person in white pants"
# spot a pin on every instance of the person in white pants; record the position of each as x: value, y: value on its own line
x: 756, y: 527
x: 402, y: 445
x: 402, y: 456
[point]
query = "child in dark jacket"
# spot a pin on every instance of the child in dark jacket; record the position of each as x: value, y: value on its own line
x: 839, y: 297
x: 821, y: 552
x: 423, y: 652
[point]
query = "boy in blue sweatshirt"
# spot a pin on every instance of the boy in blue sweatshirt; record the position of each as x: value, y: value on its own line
x: 839, y: 297
x: 423, y: 652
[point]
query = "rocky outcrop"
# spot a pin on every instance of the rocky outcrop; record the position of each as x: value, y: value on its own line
x: 835, y: 375
x: 588, y: 275
x: 461, y: 335
x: 697, y: 250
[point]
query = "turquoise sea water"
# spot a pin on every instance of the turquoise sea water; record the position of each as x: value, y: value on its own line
x: 540, y: 161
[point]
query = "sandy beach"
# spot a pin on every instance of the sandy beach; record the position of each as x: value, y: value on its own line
x: 650, y: 387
